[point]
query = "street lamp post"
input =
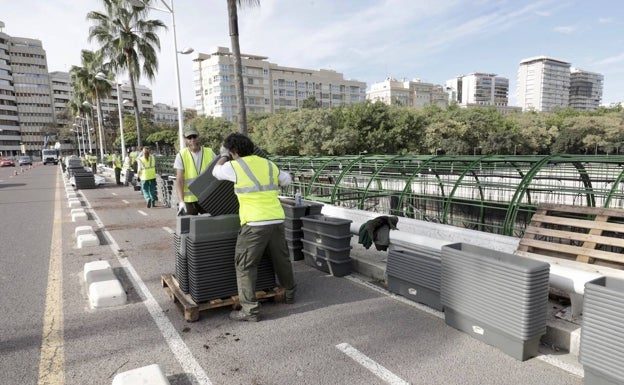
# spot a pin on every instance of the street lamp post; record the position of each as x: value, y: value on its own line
x: 84, y: 148
x: 185, y: 51
x: 102, y: 76
x: 99, y: 116
x: 78, y: 136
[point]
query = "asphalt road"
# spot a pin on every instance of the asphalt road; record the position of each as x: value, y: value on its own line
x: 339, y: 331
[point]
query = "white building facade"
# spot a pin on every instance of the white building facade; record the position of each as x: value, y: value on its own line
x: 410, y: 93
x: 543, y: 84
x: 268, y: 87
x: 26, y: 110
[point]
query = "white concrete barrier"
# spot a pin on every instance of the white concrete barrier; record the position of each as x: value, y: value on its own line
x: 151, y: 374
x: 87, y: 240
x: 73, y: 202
x: 80, y: 230
x: 572, y: 281
x: 104, y: 289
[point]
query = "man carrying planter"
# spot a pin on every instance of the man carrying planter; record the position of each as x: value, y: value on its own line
x: 256, y: 184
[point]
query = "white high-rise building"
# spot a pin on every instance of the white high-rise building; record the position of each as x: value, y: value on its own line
x: 26, y: 110
x: 268, y: 86
x: 409, y: 93
x: 585, y: 89
x: 480, y: 89
x: 543, y: 84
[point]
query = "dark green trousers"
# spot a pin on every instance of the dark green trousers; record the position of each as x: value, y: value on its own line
x: 252, y: 244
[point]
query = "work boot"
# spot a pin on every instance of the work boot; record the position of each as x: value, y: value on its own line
x: 239, y: 315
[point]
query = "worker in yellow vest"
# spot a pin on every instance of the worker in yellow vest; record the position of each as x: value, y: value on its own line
x: 256, y: 183
x: 116, y: 161
x: 146, y: 168
x: 189, y: 164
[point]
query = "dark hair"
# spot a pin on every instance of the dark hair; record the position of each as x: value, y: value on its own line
x: 239, y: 144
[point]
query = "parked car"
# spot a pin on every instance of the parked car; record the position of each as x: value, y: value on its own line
x: 7, y: 162
x: 24, y: 160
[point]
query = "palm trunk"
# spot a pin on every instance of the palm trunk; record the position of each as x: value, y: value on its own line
x: 135, y: 103
x: 238, y: 67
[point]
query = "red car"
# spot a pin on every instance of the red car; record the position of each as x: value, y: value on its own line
x: 6, y: 162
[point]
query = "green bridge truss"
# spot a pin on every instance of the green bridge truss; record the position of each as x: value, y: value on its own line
x: 492, y: 193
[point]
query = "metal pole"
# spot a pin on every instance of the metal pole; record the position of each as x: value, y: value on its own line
x: 99, y: 116
x: 89, y: 136
x: 177, y: 74
x: 121, y: 130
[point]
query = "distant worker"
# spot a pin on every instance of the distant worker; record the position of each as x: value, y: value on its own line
x: 117, y: 164
x: 256, y: 183
x: 189, y: 164
x: 146, y: 168
x: 127, y: 165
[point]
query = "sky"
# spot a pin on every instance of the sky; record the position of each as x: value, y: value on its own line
x: 365, y: 40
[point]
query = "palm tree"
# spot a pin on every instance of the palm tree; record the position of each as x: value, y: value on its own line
x: 238, y: 66
x: 129, y: 41
x: 86, y: 86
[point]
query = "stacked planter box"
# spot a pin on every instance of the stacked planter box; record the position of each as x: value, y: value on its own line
x: 414, y: 273
x: 327, y: 244
x: 602, y: 333
x: 500, y: 299
x: 183, y: 224
x: 292, y: 224
x: 210, y: 249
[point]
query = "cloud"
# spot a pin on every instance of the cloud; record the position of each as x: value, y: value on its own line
x: 611, y: 60
x: 565, y: 29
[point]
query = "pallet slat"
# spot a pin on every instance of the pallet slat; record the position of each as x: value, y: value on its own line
x: 551, y: 233
x: 191, y: 309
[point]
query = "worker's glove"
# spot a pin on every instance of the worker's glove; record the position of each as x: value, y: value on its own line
x: 224, y: 153
x: 181, y: 208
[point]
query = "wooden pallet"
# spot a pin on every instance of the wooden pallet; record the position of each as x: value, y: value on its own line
x: 584, y: 234
x: 191, y: 309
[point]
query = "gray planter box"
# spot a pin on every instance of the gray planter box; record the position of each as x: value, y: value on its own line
x: 498, y: 298
x: 337, y: 227
x: 337, y: 268
x: 329, y: 240
x: 602, y: 332
x: 307, y: 208
x: 415, y: 274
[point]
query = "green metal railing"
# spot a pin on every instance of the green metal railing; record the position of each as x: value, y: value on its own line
x: 497, y: 194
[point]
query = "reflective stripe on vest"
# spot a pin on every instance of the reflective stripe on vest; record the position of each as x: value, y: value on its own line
x: 257, y: 188
x: 148, y: 171
x: 190, y: 169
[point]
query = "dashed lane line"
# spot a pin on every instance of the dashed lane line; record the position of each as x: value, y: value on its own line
x: 375, y: 368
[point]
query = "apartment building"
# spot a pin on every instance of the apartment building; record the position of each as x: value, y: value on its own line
x: 480, y: 89
x: 164, y: 113
x: 26, y: 110
x: 543, y: 84
x: 269, y: 87
x: 412, y: 93
x: 585, y: 89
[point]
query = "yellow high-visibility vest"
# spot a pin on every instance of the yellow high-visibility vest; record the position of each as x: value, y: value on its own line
x: 148, y: 168
x: 190, y: 169
x: 257, y: 188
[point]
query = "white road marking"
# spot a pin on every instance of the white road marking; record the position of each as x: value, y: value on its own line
x: 125, y: 201
x: 167, y: 229
x: 115, y: 194
x: 378, y: 370
x: 179, y: 349
x: 142, y: 212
